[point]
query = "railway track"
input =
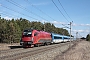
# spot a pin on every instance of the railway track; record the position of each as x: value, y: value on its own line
x: 21, y: 53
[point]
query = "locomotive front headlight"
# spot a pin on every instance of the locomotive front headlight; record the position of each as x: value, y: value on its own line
x: 21, y: 42
x: 29, y: 42
x: 32, y: 38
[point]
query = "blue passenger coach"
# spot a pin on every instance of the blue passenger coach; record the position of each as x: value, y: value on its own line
x: 57, y: 38
x: 66, y: 38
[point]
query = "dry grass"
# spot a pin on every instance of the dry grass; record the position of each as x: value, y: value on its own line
x: 80, y: 52
x: 6, y: 46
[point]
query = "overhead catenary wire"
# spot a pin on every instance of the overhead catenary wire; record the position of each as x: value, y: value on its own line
x: 59, y: 10
x: 19, y: 12
x: 64, y: 9
x: 64, y: 17
x: 38, y: 9
x: 20, y: 6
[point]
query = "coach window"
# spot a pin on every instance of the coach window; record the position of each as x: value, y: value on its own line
x: 55, y: 37
x: 65, y: 38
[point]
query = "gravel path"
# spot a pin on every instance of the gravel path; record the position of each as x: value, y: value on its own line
x: 80, y: 52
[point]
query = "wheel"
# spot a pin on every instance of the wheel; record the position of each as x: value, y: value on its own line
x: 45, y: 43
x: 37, y: 45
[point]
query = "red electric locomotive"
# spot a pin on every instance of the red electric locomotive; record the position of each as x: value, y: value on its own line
x: 35, y: 38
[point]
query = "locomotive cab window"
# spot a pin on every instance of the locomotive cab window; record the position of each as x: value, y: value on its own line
x: 27, y: 33
x: 35, y: 34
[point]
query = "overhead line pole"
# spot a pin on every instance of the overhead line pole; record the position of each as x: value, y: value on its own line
x: 70, y: 31
x: 69, y: 28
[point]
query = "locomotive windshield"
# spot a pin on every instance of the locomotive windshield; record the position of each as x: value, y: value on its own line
x: 27, y: 33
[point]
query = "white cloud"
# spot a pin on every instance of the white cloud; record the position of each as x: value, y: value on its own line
x: 8, y: 18
x: 81, y: 31
x: 56, y: 22
x: 87, y: 24
x: 80, y: 24
x: 43, y: 21
x: 73, y: 24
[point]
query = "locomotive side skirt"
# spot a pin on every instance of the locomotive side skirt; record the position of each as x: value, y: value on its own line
x: 44, y: 40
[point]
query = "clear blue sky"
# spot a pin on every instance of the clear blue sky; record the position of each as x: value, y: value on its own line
x: 45, y: 10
